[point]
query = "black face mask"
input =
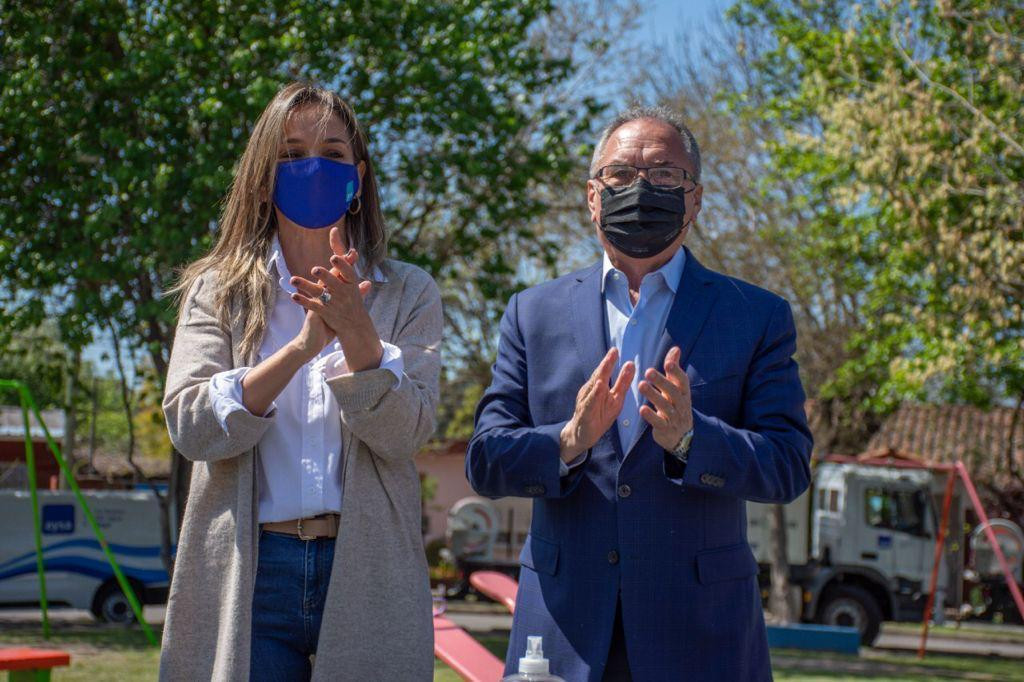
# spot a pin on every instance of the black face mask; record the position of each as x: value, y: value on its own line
x: 642, y: 220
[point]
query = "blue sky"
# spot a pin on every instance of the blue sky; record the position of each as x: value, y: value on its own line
x: 665, y: 18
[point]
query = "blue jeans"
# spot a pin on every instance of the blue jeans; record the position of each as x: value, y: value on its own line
x: 288, y: 604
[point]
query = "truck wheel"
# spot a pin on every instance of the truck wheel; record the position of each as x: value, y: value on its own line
x: 853, y: 607
x: 111, y: 606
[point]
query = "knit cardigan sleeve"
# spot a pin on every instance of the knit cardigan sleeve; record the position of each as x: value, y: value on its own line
x: 396, y: 421
x: 202, y: 348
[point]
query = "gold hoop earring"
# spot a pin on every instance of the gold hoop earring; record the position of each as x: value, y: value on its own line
x: 358, y: 203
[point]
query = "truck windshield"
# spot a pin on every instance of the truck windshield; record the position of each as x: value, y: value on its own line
x: 899, y: 510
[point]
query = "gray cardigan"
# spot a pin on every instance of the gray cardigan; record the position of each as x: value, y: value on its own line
x: 377, y: 619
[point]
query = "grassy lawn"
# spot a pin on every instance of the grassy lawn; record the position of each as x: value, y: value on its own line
x: 980, y: 631
x: 890, y: 666
x: 115, y: 653
x: 98, y: 652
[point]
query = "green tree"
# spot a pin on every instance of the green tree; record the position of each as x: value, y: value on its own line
x: 37, y: 358
x: 834, y: 174
x: 121, y: 123
x: 902, y: 121
x: 751, y: 225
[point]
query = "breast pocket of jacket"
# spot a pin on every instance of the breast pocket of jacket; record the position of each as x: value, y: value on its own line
x: 719, y: 396
x: 540, y: 555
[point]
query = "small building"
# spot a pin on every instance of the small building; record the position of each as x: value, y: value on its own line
x: 445, y: 464
x: 13, y: 471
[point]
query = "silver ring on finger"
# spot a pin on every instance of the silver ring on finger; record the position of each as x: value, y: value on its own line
x: 325, y: 296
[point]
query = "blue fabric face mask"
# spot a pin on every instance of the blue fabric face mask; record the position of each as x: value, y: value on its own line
x: 315, y: 192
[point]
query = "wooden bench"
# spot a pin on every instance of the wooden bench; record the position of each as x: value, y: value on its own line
x: 31, y: 665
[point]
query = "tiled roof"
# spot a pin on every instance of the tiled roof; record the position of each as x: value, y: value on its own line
x: 944, y: 433
x: 12, y: 423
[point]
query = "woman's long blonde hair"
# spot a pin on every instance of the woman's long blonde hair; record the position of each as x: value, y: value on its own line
x: 248, y: 220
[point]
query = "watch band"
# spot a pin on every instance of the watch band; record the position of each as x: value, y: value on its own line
x: 682, y: 448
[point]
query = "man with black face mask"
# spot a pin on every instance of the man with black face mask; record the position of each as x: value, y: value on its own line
x: 641, y: 402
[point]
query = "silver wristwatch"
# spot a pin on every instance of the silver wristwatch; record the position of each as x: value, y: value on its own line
x: 682, y: 448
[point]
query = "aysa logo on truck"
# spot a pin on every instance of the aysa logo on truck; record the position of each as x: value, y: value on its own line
x: 58, y: 518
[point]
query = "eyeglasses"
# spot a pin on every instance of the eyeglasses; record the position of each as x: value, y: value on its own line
x: 622, y: 175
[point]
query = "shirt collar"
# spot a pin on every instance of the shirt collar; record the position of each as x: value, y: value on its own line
x: 669, y: 273
x: 276, y: 259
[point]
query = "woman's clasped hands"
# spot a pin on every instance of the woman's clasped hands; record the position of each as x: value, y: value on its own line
x: 334, y: 304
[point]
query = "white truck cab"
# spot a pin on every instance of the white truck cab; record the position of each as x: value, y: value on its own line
x: 881, y: 519
x: 869, y: 542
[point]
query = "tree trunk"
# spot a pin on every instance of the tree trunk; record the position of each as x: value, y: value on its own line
x: 70, y: 416
x: 778, y: 600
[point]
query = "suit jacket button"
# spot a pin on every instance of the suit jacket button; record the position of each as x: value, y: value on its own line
x: 625, y: 490
x: 613, y: 557
x: 706, y: 479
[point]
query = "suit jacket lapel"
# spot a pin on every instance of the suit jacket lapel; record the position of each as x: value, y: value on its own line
x: 590, y: 330
x: 588, y: 320
x: 694, y: 299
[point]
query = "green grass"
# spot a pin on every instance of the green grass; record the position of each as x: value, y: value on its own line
x: 974, y: 631
x: 110, y: 652
x: 98, y: 652
x: 891, y: 666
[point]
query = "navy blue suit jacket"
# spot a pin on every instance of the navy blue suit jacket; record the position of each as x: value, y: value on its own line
x: 670, y: 541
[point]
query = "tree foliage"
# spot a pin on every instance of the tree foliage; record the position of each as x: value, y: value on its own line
x: 121, y: 123
x: 902, y: 123
x: 38, y: 359
x: 751, y: 225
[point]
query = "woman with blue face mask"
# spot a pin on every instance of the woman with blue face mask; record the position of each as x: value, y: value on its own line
x: 303, y: 379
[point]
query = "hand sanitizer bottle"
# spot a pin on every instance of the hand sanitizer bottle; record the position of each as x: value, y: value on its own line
x: 534, y: 667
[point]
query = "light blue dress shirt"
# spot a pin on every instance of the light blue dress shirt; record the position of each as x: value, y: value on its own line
x: 636, y: 330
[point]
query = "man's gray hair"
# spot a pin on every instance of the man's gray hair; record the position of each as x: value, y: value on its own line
x: 637, y: 112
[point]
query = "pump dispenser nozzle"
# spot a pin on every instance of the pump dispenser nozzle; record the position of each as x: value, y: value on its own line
x: 534, y: 667
x: 534, y: 663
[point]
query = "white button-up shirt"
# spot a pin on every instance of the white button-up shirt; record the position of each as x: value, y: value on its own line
x: 300, y: 455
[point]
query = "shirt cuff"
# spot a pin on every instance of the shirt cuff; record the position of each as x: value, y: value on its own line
x: 334, y: 365
x: 565, y: 469
x: 226, y: 395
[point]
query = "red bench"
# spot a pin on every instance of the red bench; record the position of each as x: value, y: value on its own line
x: 31, y: 665
x: 467, y: 657
x: 498, y: 586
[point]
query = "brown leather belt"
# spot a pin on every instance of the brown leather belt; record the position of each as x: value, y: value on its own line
x: 323, y: 526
